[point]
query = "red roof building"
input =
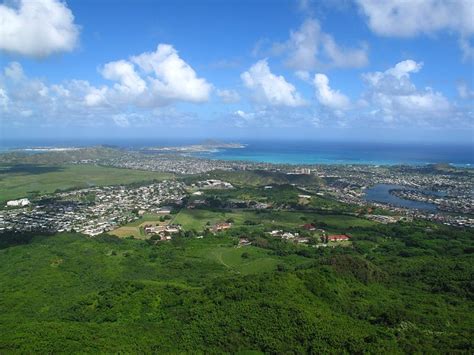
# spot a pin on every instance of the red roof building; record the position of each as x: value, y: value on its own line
x: 309, y: 226
x: 338, y: 237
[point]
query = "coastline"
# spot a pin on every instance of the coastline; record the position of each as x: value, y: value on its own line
x: 277, y: 152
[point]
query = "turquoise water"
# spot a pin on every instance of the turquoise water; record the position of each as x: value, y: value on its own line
x: 348, y: 153
x: 294, y: 152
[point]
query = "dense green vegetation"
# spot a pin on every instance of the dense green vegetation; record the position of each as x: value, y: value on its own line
x: 396, y: 288
x: 244, y: 178
x: 401, y: 288
x: 28, y: 180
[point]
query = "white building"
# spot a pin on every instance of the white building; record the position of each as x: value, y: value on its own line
x: 18, y: 203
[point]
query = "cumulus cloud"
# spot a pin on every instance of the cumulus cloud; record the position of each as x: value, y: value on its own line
x: 393, y: 96
x: 37, y: 28
x: 395, y: 80
x: 309, y: 48
x: 170, y: 77
x: 327, y: 96
x: 95, y: 96
x: 403, y: 18
x: 152, y: 79
x: 270, y: 89
x: 228, y: 96
x: 143, y: 83
x: 129, y: 82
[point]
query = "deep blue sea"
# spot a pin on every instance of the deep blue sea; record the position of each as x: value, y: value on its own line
x: 293, y: 152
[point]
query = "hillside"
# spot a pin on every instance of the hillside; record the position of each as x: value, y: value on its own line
x: 69, y: 293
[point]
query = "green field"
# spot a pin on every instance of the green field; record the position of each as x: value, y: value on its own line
x: 257, y: 260
x: 198, y: 219
x: 27, y: 180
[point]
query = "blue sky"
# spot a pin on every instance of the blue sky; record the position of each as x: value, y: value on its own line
x: 334, y: 69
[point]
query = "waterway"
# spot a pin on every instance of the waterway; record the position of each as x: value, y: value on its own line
x: 381, y: 193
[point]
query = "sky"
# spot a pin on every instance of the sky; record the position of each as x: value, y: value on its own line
x: 361, y: 70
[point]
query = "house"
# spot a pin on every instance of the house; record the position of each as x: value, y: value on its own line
x: 276, y: 233
x: 302, y: 240
x: 338, y: 238
x: 18, y: 203
x: 164, y: 210
x: 244, y: 242
x: 309, y: 227
x: 289, y: 235
x: 173, y: 228
x: 221, y: 226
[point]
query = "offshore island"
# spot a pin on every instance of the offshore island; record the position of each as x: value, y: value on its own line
x: 206, y: 146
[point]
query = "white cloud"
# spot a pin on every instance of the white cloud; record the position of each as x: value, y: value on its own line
x: 3, y: 99
x: 467, y: 48
x: 37, y: 28
x: 327, y: 96
x: 404, y: 68
x: 152, y: 79
x: 344, y: 57
x: 269, y: 88
x: 96, y: 97
x: 124, y: 72
x: 134, y: 88
x: 173, y: 78
x: 228, y: 96
x: 402, y: 18
x: 394, y: 97
x: 464, y: 91
x: 309, y: 48
x: 14, y: 71
x: 303, y: 75
x: 395, y: 80
x: 303, y: 46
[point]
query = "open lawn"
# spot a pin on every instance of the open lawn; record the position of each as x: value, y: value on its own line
x: 222, y: 250
x: 124, y: 232
x: 28, y: 180
x: 197, y: 219
x: 135, y: 228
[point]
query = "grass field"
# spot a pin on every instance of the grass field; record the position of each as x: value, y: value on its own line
x: 198, y: 218
x: 134, y: 228
x: 27, y: 180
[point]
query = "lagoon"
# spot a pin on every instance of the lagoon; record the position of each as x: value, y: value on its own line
x: 381, y: 193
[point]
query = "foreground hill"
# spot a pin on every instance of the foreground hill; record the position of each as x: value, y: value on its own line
x: 68, y: 293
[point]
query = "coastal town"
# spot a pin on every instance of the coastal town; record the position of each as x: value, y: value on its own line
x: 94, y: 210
x: 97, y: 210
x: 442, y: 194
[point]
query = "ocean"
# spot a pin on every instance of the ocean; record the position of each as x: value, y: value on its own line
x: 291, y: 152
x: 303, y: 152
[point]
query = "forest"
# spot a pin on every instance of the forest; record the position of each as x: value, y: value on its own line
x: 400, y: 288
